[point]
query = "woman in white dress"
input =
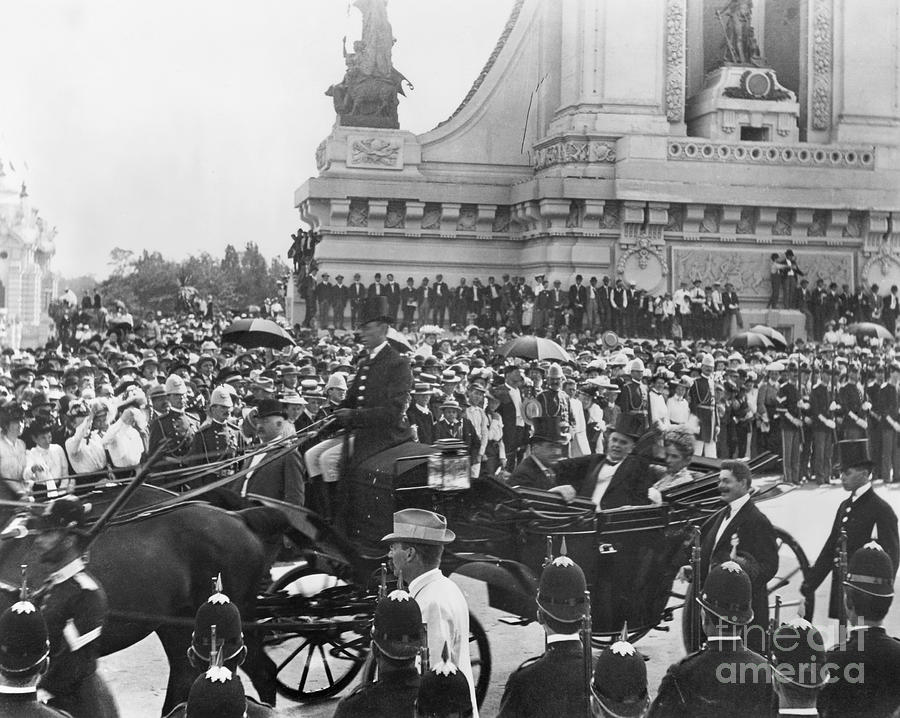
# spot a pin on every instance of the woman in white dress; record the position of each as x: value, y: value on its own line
x: 12, y: 449
x: 679, y: 448
x: 46, y: 464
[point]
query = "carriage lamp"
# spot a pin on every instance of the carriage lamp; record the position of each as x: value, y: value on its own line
x: 448, y: 466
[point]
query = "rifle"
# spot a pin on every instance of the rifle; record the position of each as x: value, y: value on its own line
x: 840, y: 567
x: 694, y: 594
x: 773, y: 626
x: 587, y: 653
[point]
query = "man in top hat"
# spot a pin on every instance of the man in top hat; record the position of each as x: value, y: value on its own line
x: 619, y: 685
x: 724, y: 678
x: 864, y: 515
x: 554, y: 684
x: 741, y: 530
x: 74, y: 606
x: 278, y: 478
x: 799, y: 667
x: 220, y: 617
x: 548, y: 448
x: 24, y: 658
x: 216, y: 439
x: 397, y: 639
x: 616, y: 478
x: 175, y: 425
x: 865, y: 665
x: 415, y: 548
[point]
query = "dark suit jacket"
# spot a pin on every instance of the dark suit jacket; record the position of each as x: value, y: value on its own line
x: 339, y: 295
x: 578, y: 295
x: 357, y: 292
x: 867, y: 512
x: 424, y: 423
x: 876, y: 660
x: 551, y: 686
x: 628, y: 486
x: 441, y: 294
x: 281, y: 479
x: 757, y: 554
x: 378, y: 399
x: 530, y: 475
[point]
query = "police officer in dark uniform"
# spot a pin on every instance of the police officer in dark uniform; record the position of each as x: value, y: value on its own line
x: 397, y: 638
x: 74, y: 606
x: 444, y: 692
x: 619, y: 685
x: 216, y: 439
x: 866, y: 667
x: 218, y: 630
x: 864, y: 515
x: 799, y: 667
x: 723, y: 678
x: 24, y: 657
x: 175, y: 425
x: 554, y: 684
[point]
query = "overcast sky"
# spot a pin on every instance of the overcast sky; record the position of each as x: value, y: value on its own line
x: 185, y: 125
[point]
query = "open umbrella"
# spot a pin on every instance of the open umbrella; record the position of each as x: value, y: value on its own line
x: 869, y: 329
x: 532, y: 347
x: 398, y: 341
x: 778, y: 339
x: 750, y: 340
x: 251, y: 333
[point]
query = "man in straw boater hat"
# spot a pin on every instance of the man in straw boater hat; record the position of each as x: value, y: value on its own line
x: 24, y: 658
x: 799, y: 667
x: 397, y: 638
x: 619, y: 684
x: 864, y: 515
x: 554, y: 684
x: 415, y: 548
x: 218, y: 642
x: 74, y: 606
x: 724, y: 678
x: 866, y: 667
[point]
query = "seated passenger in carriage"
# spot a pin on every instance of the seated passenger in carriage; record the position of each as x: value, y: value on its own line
x: 548, y: 448
x: 281, y: 478
x: 679, y: 448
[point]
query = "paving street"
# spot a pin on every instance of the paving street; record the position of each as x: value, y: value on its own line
x: 138, y: 675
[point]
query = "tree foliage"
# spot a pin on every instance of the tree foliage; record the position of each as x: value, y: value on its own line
x: 150, y: 282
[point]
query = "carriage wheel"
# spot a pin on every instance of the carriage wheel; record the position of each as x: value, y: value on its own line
x: 479, y: 657
x: 793, y: 568
x: 320, y: 659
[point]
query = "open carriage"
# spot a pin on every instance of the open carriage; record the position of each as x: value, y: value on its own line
x: 630, y: 557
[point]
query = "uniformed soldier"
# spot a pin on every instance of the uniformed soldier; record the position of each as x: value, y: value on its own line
x: 799, y: 667
x: 397, y: 639
x: 723, y: 678
x: 619, y: 686
x: 216, y: 439
x: 865, y: 668
x: 444, y: 692
x: 217, y: 693
x: 24, y: 658
x: 554, y: 684
x: 74, y: 606
x: 218, y: 630
x: 175, y: 425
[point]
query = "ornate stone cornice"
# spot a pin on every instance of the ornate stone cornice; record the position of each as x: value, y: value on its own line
x: 803, y: 155
x: 823, y: 58
x: 571, y: 150
x: 675, y: 66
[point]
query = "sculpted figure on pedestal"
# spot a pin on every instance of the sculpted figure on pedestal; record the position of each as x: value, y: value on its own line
x: 741, y: 47
x: 367, y: 96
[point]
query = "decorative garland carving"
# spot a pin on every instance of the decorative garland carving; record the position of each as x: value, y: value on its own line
x: 822, y: 64
x: 321, y: 162
x: 644, y: 249
x: 675, y: 65
x: 565, y: 151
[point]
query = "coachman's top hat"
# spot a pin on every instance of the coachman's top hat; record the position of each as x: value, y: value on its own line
x: 871, y: 571
x: 620, y: 680
x: 375, y: 310
x: 550, y: 429
x: 64, y: 513
x: 444, y: 690
x: 853, y: 454
x: 798, y: 654
x: 561, y: 589
x: 727, y: 593
x: 23, y: 639
x: 397, y: 628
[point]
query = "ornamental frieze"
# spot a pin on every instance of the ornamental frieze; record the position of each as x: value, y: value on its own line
x: 563, y: 151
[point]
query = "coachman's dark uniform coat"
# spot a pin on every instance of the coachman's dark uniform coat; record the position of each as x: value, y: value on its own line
x: 757, y: 553
x: 692, y: 689
x: 871, y: 661
x: 859, y: 519
x: 549, y: 687
x: 394, y: 695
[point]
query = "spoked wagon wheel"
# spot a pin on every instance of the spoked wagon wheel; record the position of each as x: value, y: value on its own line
x: 793, y: 568
x: 479, y: 656
x: 318, y: 633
